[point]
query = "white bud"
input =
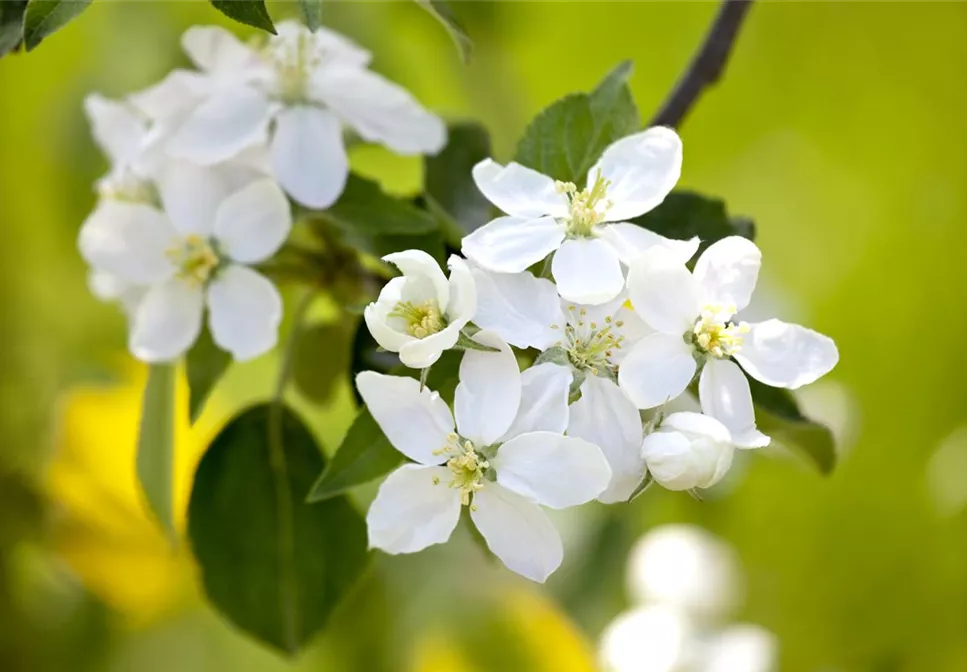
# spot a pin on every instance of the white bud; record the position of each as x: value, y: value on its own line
x: 690, y: 450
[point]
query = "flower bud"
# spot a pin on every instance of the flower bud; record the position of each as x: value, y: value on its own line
x: 689, y: 450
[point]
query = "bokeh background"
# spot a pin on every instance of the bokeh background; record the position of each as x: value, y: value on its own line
x: 839, y: 127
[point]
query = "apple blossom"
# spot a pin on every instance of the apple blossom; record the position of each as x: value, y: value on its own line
x: 688, y: 450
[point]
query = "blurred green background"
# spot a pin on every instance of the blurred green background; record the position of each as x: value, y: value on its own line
x: 838, y: 127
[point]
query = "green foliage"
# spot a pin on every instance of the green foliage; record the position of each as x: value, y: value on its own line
x: 448, y: 180
x: 311, y: 13
x: 250, y: 12
x: 156, y: 440
x: 204, y: 365
x: 443, y: 12
x: 320, y: 359
x: 11, y: 24
x: 567, y: 138
x: 275, y: 566
x: 43, y: 17
x: 685, y: 214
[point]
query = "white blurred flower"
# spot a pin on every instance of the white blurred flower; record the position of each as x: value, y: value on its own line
x: 585, y: 229
x: 741, y: 648
x: 110, y: 288
x: 689, y: 450
x: 421, y: 313
x: 121, y: 132
x: 499, y: 458
x: 298, y: 93
x: 692, y: 314
x: 654, y: 638
x: 196, y: 251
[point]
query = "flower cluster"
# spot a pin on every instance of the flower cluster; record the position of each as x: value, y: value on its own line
x: 623, y: 328
x: 201, y: 167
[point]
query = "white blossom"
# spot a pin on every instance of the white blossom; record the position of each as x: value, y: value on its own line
x: 689, y: 450
x: 693, y: 315
x: 297, y: 94
x: 585, y: 230
x: 499, y: 456
x: 421, y: 313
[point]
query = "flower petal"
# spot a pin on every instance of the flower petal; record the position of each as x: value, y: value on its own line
x: 697, y: 424
x: 605, y: 417
x: 377, y: 316
x: 631, y: 241
x: 642, y: 169
x: 128, y: 240
x: 680, y: 462
x: 335, y: 45
x: 413, y: 509
x: 379, y: 110
x: 417, y: 422
x: 245, y: 310
x: 543, y: 400
x: 517, y: 531
x: 462, y: 304
x: 727, y: 271
x: 174, y: 95
x: 519, y: 191
x: 167, y: 321
x: 786, y: 355
x: 657, y: 369
x: 253, y: 223
x: 116, y: 128
x: 724, y: 393
x: 309, y: 155
x: 663, y: 292
x: 521, y: 308
x: 488, y: 396
x: 191, y: 195
x: 231, y: 120
x: 588, y: 271
x: 419, y: 353
x: 215, y: 49
x: 417, y: 265
x: 512, y: 244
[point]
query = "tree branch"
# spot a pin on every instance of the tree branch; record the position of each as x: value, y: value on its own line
x: 708, y: 64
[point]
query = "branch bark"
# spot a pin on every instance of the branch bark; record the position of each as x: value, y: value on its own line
x: 708, y: 64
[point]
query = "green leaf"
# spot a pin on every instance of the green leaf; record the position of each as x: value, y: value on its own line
x: 311, y: 13
x: 11, y: 24
x: 43, y: 17
x: 273, y: 565
x: 566, y: 139
x: 250, y: 12
x: 443, y: 12
x: 777, y: 415
x: 321, y: 358
x: 156, y: 441
x: 448, y: 180
x: 204, y: 365
x: 685, y: 214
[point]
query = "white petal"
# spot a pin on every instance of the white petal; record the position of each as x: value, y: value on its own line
x: 724, y: 394
x: 244, y: 312
x: 191, y: 195
x: 462, y: 304
x: 417, y: 265
x: 128, y: 240
x: 587, y: 271
x: 217, y: 50
x: 543, y: 401
x: 663, y: 292
x: 254, y: 222
x: 116, y: 127
x: 231, y: 120
x: 336, y: 46
x: 642, y: 169
x: 519, y: 191
x: 657, y: 369
x: 414, y: 508
x: 632, y: 330
x: 697, y: 424
x: 376, y: 316
x: 488, y: 395
x: 519, y: 307
x: 786, y: 355
x: 512, y: 244
x: 679, y: 463
x: 419, y: 353
x: 517, y: 531
x: 309, y: 155
x: 417, y: 422
x: 631, y: 241
x: 167, y: 321
x: 379, y: 110
x: 605, y: 417
x: 174, y: 95
x: 727, y: 271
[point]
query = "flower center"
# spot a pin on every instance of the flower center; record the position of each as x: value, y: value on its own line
x: 468, y: 467
x: 195, y: 258
x: 420, y: 320
x: 590, y: 345
x: 293, y: 59
x: 587, y: 207
x: 715, y: 334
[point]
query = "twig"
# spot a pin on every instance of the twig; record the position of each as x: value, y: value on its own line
x: 708, y: 64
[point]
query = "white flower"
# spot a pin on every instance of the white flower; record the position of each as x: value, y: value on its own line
x: 689, y: 450
x: 121, y: 132
x: 585, y: 230
x: 588, y: 343
x: 420, y: 314
x: 653, y: 638
x: 745, y: 647
x: 298, y: 92
x: 196, y: 251
x: 110, y: 288
x: 693, y: 315
x: 501, y: 458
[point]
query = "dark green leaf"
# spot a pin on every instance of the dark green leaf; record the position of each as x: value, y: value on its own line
x: 777, y: 415
x: 250, y: 12
x: 11, y: 24
x: 204, y: 366
x: 156, y: 440
x: 685, y: 214
x: 311, y: 12
x: 449, y: 181
x: 272, y: 564
x: 321, y: 359
x: 43, y: 17
x: 443, y: 11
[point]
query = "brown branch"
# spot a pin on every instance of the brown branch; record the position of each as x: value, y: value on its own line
x: 708, y: 64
